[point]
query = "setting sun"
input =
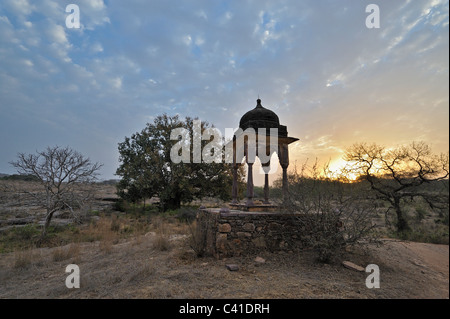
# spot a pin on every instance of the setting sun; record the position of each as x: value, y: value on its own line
x: 340, y: 169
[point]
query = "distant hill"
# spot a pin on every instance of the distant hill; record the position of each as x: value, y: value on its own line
x: 18, y: 177
x: 31, y: 178
x: 110, y: 182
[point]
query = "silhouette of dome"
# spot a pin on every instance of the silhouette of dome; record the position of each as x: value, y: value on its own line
x: 260, y: 117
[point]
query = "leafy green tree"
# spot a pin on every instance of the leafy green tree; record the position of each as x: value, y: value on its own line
x: 146, y: 168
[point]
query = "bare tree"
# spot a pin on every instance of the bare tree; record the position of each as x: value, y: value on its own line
x: 64, y: 175
x: 401, y: 173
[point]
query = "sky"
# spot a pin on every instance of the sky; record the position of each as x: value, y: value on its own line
x: 331, y: 80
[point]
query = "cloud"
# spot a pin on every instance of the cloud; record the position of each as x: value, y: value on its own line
x: 93, y: 14
x: 21, y: 8
x: 116, y: 83
x: 96, y: 47
x: 57, y: 34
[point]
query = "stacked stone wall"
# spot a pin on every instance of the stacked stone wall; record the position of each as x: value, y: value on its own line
x: 236, y: 233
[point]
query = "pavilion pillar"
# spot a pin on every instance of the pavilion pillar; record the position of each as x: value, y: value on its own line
x: 283, y: 151
x: 249, y: 175
x: 234, y: 190
x: 266, y: 170
x: 250, y: 184
x: 285, y: 183
x: 235, y: 184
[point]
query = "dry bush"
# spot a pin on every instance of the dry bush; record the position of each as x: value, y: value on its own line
x: 335, y: 214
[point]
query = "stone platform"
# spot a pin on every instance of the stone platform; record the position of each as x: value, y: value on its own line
x: 232, y: 232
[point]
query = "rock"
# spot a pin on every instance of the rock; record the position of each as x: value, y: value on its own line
x: 352, y: 266
x: 241, y: 234
x: 260, y: 260
x: 221, y: 242
x: 249, y: 227
x: 224, y: 228
x: 232, y: 267
x: 259, y: 242
x: 150, y: 234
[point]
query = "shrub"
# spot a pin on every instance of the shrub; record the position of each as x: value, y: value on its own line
x: 335, y: 214
x: 439, y: 234
x: 187, y: 214
x: 421, y: 213
x: 26, y: 232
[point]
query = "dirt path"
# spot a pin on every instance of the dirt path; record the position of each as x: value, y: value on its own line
x: 434, y: 257
x: 420, y: 270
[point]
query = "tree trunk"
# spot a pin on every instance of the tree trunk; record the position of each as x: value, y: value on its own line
x: 172, y: 204
x: 48, y: 219
x: 402, y: 224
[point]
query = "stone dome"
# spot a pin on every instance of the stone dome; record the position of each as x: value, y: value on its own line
x: 259, y: 117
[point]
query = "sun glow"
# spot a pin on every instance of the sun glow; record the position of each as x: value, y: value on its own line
x: 341, y: 169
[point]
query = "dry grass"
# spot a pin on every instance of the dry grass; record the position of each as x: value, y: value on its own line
x: 107, y: 231
x: 71, y: 252
x: 142, y: 273
x: 161, y: 241
x: 137, y: 268
x: 23, y: 259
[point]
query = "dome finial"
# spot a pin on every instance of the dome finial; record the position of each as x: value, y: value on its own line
x: 258, y: 102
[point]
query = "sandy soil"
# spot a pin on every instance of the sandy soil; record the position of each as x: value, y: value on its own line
x: 137, y: 269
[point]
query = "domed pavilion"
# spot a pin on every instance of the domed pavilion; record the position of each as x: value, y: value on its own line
x: 260, y: 134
